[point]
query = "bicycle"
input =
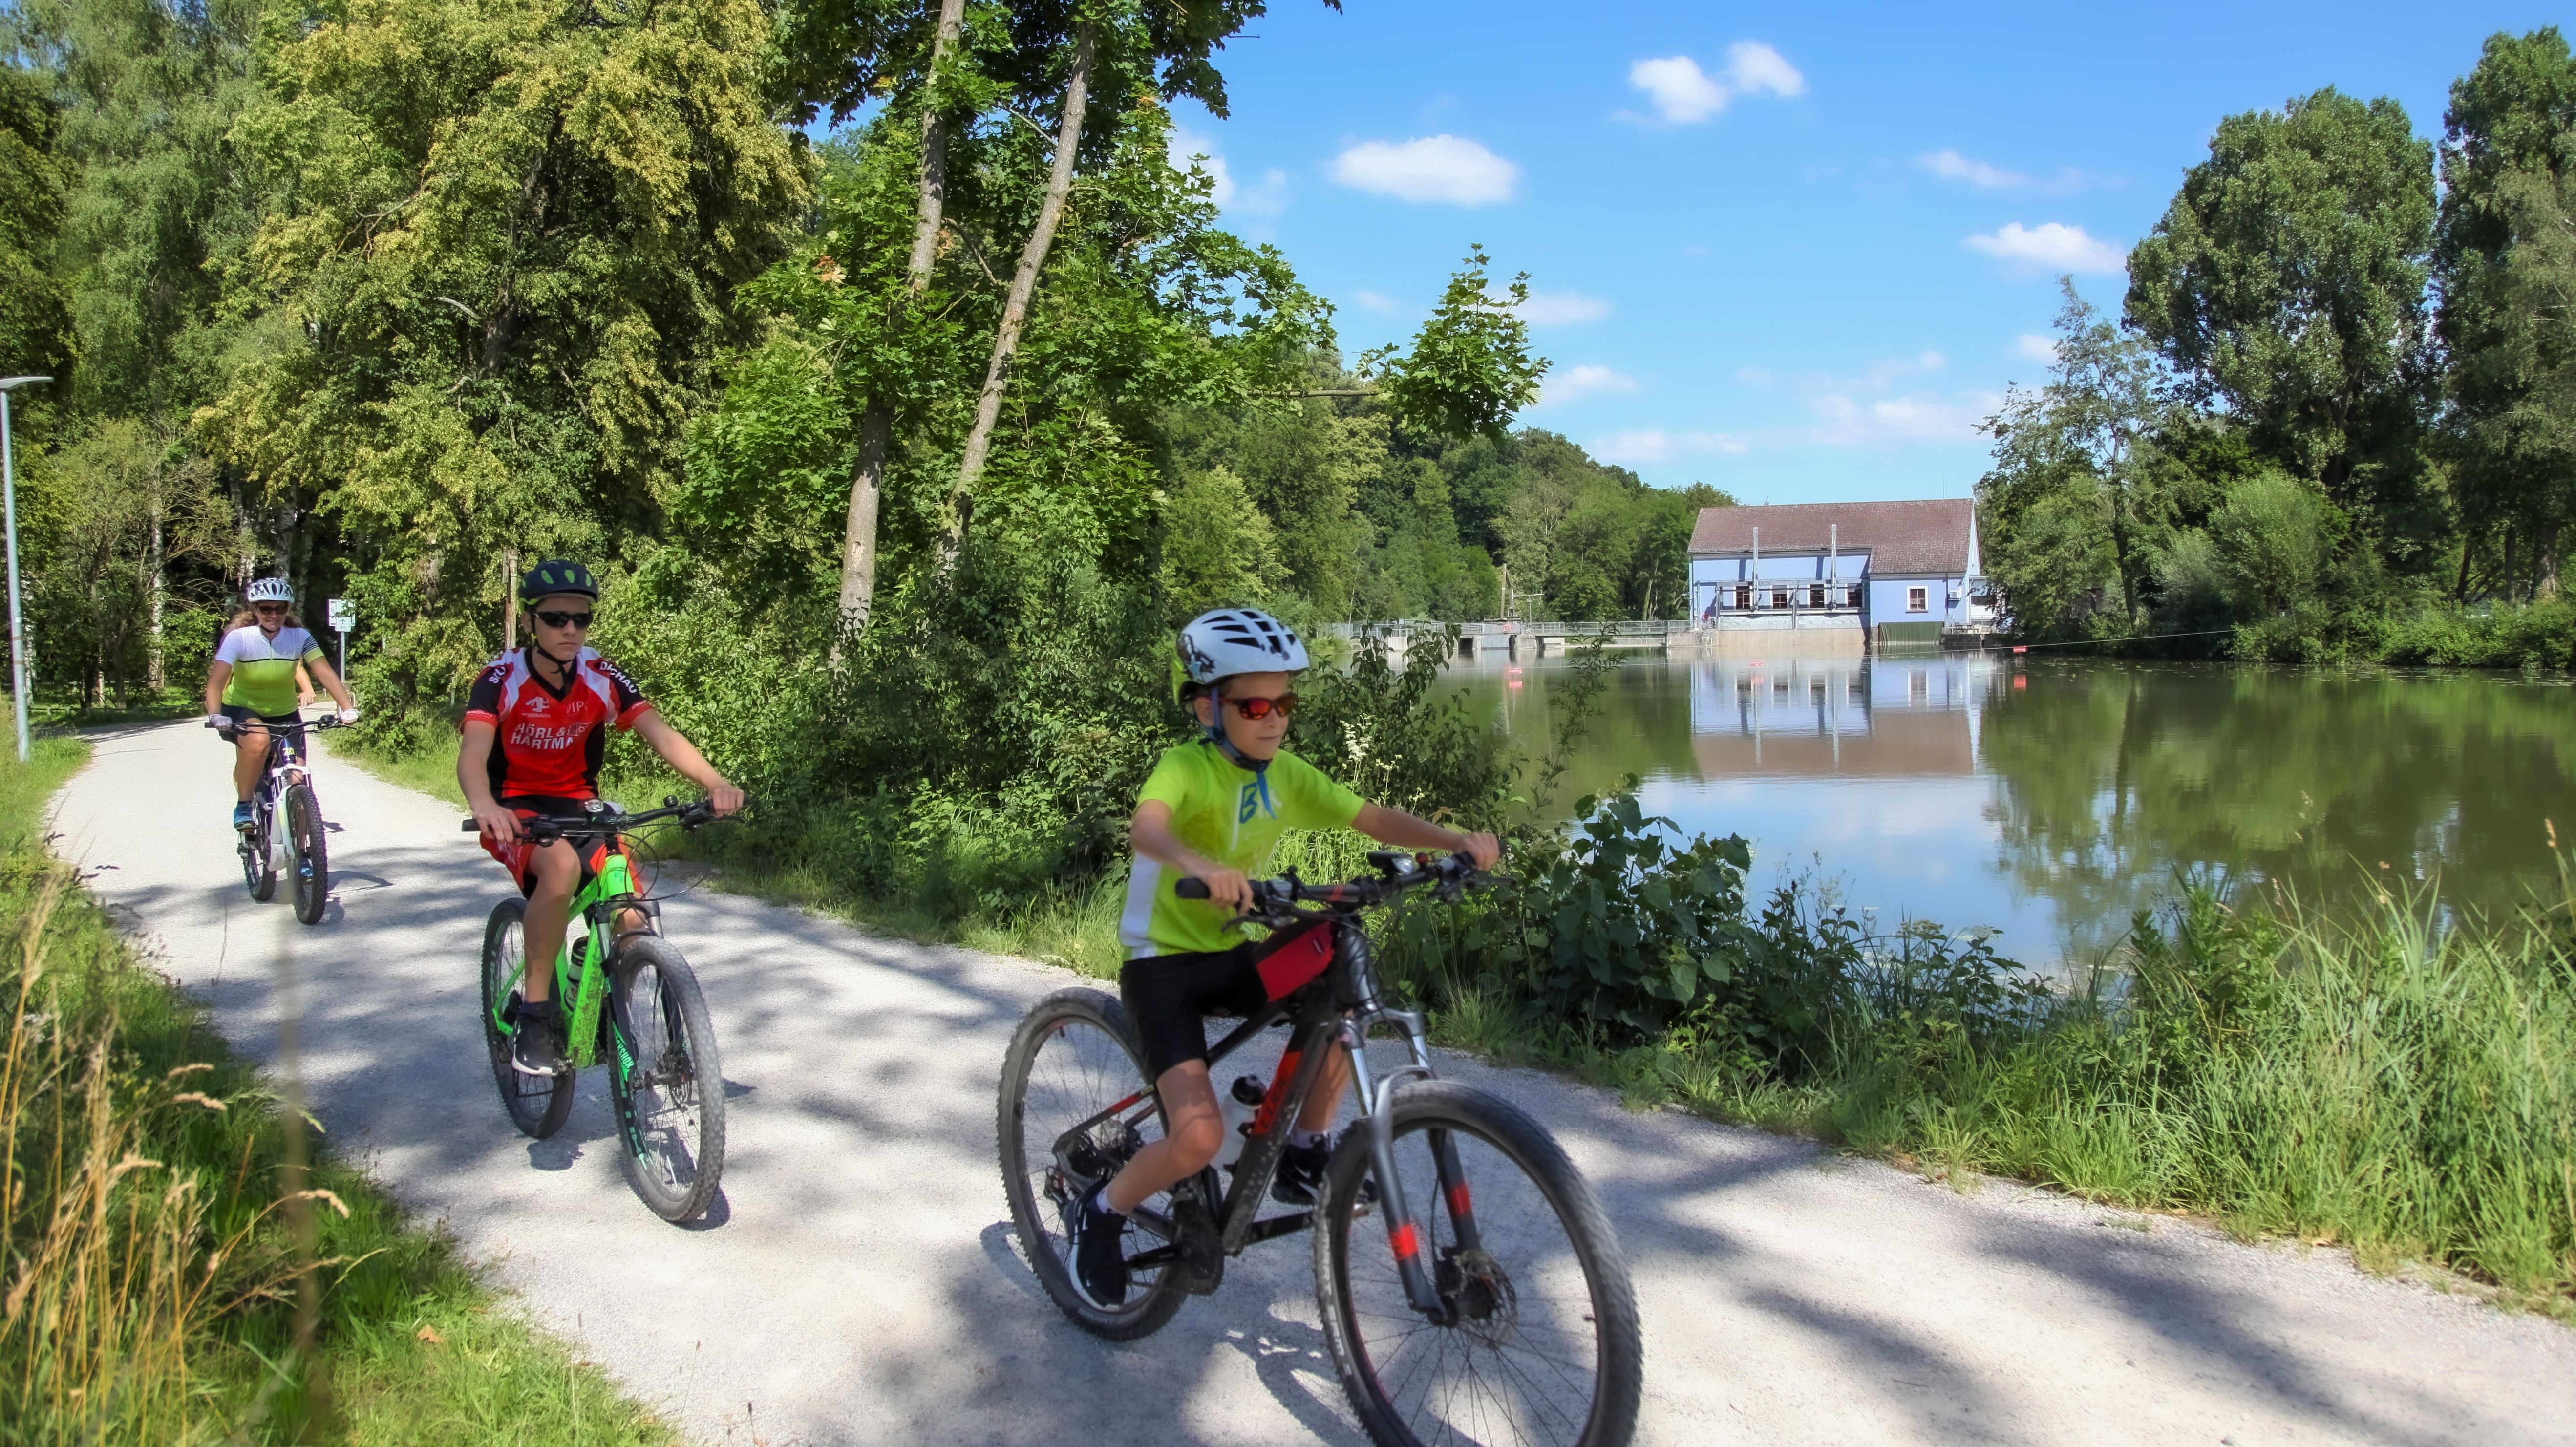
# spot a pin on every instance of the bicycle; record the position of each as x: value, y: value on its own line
x: 642, y: 1013
x: 286, y: 782
x: 1504, y: 1312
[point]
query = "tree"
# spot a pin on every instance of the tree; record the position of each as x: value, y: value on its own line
x: 486, y: 292
x: 1469, y: 369
x: 2287, y: 279
x: 35, y: 322
x: 2073, y: 490
x: 1218, y: 550
x: 2505, y: 271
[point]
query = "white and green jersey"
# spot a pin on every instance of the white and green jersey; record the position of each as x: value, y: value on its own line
x: 1228, y: 814
x: 263, y: 678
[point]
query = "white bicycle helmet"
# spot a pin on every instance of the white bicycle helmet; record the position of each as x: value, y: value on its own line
x: 270, y: 590
x: 1223, y: 642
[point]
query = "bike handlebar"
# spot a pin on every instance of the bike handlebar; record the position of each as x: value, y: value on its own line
x: 330, y: 722
x: 1280, y: 897
x: 547, y: 831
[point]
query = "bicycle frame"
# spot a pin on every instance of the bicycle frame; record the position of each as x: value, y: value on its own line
x: 610, y: 893
x: 1342, y: 1006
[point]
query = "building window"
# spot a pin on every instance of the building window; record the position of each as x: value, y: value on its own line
x: 1743, y: 595
x: 1779, y: 597
x: 1815, y: 595
x: 1851, y: 596
x: 1918, y: 600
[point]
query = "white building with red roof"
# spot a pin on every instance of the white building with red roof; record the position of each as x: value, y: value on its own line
x: 1852, y: 574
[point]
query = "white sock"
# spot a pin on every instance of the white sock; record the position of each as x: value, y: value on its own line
x: 1100, y: 1198
x: 1303, y: 1139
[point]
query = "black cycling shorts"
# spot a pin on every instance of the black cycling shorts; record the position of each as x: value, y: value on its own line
x: 240, y: 714
x: 1169, y: 998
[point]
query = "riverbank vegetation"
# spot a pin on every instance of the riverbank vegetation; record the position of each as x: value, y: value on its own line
x: 180, y: 1269
x: 2333, y: 419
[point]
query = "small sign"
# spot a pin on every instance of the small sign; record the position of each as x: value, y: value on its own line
x: 343, y: 616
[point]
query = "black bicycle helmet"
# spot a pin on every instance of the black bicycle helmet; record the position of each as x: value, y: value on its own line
x: 557, y: 575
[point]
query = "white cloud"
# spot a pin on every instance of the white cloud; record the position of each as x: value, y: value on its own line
x: 1630, y: 449
x: 1685, y: 94
x: 1562, y: 308
x: 1441, y: 168
x: 1184, y: 144
x: 1951, y: 166
x: 1378, y: 301
x: 2052, y: 245
x: 1843, y: 421
x: 1753, y: 68
x: 1583, y: 381
x: 2042, y: 350
x: 1265, y: 197
x: 1681, y: 91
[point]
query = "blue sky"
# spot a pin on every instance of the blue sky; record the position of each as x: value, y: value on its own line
x: 1796, y: 255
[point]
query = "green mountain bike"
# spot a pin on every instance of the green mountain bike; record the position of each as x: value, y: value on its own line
x: 631, y: 1001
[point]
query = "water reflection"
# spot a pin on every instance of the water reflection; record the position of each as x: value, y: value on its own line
x: 2052, y: 799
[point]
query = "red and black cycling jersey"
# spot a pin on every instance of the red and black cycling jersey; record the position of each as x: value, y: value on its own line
x: 548, y: 744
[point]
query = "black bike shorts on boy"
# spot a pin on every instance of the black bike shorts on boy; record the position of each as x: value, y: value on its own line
x: 1169, y: 997
x: 240, y: 714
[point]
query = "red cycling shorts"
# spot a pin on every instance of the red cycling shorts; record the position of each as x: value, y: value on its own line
x: 519, y: 856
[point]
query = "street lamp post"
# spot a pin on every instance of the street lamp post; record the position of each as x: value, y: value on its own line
x: 17, y: 609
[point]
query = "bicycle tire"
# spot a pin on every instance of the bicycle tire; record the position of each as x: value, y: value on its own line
x: 663, y: 1038
x: 259, y: 855
x: 311, y: 855
x: 1090, y: 1073
x: 537, y: 1104
x: 1498, y: 1320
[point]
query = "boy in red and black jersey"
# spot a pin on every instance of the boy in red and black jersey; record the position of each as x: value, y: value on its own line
x: 536, y: 729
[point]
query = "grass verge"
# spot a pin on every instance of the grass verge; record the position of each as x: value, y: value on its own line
x: 178, y: 1272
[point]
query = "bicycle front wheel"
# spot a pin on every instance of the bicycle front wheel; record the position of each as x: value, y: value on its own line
x: 311, y: 857
x: 259, y: 854
x: 666, y: 1080
x: 1071, y: 1062
x: 537, y: 1103
x: 1536, y: 1340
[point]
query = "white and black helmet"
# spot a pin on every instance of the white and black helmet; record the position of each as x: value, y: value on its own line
x: 1223, y: 642
x: 269, y: 590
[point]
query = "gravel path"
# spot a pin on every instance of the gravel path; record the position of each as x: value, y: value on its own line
x: 857, y: 1282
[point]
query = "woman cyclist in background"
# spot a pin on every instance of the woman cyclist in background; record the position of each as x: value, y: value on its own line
x: 252, y: 689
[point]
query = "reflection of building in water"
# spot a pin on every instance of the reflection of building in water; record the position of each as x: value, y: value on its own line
x: 1851, y: 717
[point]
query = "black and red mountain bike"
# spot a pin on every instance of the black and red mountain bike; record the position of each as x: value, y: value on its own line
x: 1487, y: 1303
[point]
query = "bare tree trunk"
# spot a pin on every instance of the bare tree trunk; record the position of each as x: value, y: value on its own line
x: 2544, y: 584
x: 2468, y: 550
x: 509, y: 600
x: 153, y: 676
x: 2508, y: 565
x: 1024, y: 283
x: 876, y: 426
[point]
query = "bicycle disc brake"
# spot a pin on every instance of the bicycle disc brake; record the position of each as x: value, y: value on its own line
x: 1479, y: 1295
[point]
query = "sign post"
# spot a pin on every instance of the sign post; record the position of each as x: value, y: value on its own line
x: 343, y: 618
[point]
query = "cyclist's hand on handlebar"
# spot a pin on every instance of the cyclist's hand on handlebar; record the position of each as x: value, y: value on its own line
x: 500, y: 823
x: 726, y: 798
x: 1227, y: 887
x: 348, y: 716
x: 1484, y: 849
x: 220, y: 723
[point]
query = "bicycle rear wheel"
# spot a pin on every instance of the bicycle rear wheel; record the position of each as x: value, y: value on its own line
x: 1539, y: 1342
x: 311, y: 857
x: 1071, y: 1060
x: 537, y: 1103
x: 666, y: 1080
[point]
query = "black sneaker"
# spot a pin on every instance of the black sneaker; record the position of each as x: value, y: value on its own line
x: 1100, y: 1252
x: 536, y: 1047
x: 1300, y: 1181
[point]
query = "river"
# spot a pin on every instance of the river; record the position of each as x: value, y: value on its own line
x: 2050, y: 798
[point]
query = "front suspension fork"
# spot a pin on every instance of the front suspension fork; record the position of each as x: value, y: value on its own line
x: 1404, y: 1232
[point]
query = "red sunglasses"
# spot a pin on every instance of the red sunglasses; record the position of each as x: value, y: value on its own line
x: 1249, y: 708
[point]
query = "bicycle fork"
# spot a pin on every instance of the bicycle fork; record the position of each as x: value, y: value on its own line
x: 1376, y: 1098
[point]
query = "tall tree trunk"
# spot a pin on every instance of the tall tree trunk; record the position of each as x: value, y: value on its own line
x: 2544, y: 564
x: 2507, y: 581
x: 876, y: 425
x: 1024, y: 283
x: 153, y: 676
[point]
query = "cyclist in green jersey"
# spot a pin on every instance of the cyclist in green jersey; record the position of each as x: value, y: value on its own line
x: 251, y: 689
x: 1213, y: 810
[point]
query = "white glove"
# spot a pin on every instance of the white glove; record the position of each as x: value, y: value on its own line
x: 220, y: 723
x: 348, y: 715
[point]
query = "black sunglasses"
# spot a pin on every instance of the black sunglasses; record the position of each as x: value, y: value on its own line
x: 552, y: 619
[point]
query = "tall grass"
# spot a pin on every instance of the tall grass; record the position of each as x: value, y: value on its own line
x: 158, y: 1286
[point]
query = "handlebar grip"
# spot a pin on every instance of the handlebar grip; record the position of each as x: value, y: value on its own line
x: 1190, y: 889
x: 471, y: 827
